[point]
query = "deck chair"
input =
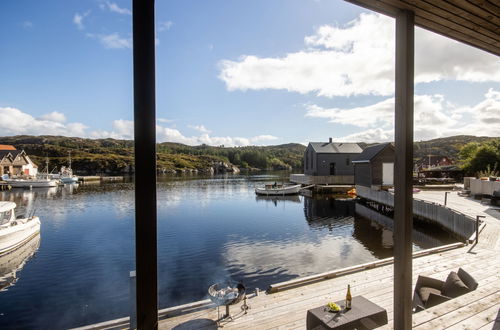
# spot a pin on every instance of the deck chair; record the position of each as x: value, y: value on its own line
x: 430, y: 292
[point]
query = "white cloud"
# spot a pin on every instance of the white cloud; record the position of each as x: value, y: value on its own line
x: 263, y: 138
x: 164, y: 120
x: 165, y: 134
x: 358, y: 59
x: 78, y: 20
x: 112, y: 40
x: 55, y: 116
x: 122, y: 129
x: 14, y: 122
x: 27, y: 24
x: 199, y: 128
x: 165, y: 25
x: 116, y: 9
x: 433, y: 118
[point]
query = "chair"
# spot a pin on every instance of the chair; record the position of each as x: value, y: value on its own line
x: 430, y: 292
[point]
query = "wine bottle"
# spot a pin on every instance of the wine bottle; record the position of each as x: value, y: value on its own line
x: 348, y: 298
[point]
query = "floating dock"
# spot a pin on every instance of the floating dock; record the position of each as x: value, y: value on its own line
x: 100, y: 178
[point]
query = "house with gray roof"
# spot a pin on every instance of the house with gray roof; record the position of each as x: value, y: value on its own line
x: 330, y: 159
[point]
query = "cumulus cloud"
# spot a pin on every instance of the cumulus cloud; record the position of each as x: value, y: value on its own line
x: 55, y: 116
x: 358, y: 59
x: 15, y: 122
x: 112, y: 6
x: 165, y: 134
x: 199, y: 128
x: 433, y: 117
x: 112, y: 40
x: 78, y: 20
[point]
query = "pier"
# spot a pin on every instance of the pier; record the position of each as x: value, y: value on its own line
x: 286, y: 308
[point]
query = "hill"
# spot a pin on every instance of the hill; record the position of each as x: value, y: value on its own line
x: 91, y: 156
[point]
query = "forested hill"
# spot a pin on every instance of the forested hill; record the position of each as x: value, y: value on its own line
x: 91, y: 156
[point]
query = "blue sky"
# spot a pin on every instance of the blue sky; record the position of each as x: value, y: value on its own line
x: 234, y: 73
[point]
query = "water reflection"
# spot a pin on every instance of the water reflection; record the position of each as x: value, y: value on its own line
x: 278, y: 199
x: 13, y: 262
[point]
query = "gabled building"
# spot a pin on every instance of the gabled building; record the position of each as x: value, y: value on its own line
x: 374, y: 167
x: 330, y: 158
x: 16, y: 162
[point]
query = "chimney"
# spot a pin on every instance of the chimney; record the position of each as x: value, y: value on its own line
x: 329, y: 140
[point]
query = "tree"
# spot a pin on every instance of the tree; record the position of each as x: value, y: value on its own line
x: 477, y: 157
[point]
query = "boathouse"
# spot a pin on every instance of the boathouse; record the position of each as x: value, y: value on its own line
x: 374, y: 167
x: 328, y: 163
x: 16, y: 162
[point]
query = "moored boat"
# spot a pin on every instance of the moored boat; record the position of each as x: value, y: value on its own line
x: 274, y: 189
x: 15, y: 231
x: 31, y: 183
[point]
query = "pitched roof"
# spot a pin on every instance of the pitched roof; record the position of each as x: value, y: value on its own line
x: 335, y: 148
x: 6, y: 147
x: 371, y: 152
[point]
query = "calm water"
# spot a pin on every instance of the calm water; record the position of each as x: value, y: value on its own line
x: 209, y: 229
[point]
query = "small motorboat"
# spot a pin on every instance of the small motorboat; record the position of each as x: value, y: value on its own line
x: 15, y: 231
x: 277, y: 189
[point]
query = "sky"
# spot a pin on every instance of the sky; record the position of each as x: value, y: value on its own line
x: 235, y: 73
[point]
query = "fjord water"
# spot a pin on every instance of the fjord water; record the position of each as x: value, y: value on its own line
x: 209, y: 229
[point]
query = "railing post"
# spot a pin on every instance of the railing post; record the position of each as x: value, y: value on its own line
x: 446, y: 197
x: 133, y: 312
x: 477, y: 226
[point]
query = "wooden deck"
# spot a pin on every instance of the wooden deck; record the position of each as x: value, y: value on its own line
x: 476, y: 310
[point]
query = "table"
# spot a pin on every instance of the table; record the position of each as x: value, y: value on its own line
x: 363, y: 315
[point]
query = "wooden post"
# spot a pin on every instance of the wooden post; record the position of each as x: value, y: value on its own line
x: 145, y: 164
x: 403, y: 175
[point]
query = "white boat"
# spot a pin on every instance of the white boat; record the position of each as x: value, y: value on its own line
x: 31, y: 183
x: 43, y: 180
x: 276, y: 189
x: 15, y: 231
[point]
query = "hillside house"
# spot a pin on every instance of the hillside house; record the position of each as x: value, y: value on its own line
x: 374, y: 167
x: 16, y: 162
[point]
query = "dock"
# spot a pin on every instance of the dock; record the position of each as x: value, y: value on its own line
x: 286, y: 308
x: 95, y: 178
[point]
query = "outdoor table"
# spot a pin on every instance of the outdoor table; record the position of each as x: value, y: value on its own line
x: 363, y: 315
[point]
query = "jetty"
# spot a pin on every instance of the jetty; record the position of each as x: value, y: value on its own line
x: 284, y: 305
